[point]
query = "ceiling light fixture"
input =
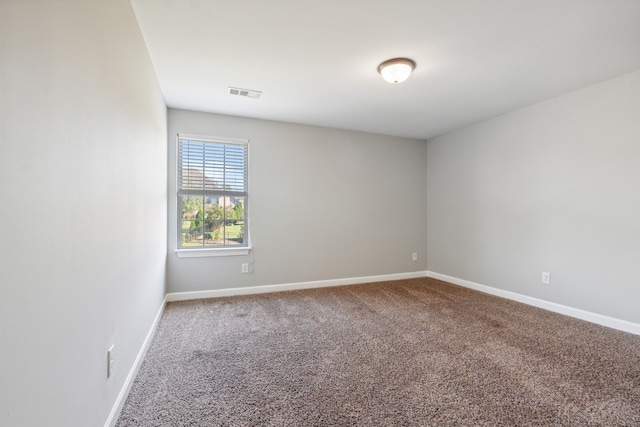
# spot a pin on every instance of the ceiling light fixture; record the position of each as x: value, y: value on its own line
x: 396, y: 70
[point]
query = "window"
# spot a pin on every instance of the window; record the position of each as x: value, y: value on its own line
x: 212, y: 194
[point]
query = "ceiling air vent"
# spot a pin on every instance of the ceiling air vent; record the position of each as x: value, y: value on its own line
x: 244, y: 92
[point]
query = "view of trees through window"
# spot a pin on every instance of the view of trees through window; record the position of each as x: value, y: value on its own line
x: 212, y: 220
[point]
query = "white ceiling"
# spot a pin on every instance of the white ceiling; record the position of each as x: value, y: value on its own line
x: 316, y: 61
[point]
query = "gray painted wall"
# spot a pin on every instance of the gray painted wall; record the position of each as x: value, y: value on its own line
x: 324, y: 204
x: 553, y: 187
x: 83, y: 218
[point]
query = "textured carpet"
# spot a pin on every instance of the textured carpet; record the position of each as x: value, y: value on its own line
x: 412, y: 353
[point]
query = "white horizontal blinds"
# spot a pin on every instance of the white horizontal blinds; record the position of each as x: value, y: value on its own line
x: 207, y: 167
x: 234, y: 170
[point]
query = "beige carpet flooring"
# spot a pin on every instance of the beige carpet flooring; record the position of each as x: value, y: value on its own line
x: 417, y: 352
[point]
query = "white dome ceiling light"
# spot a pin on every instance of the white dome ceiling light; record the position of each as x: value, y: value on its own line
x: 396, y: 70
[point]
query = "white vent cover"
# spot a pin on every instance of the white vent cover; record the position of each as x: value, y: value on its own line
x: 244, y: 92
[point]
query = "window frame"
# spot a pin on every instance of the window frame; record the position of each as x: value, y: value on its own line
x: 220, y: 250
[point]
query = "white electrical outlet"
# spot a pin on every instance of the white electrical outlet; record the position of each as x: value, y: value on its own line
x: 414, y: 256
x: 245, y: 268
x: 111, y: 360
x: 546, y: 278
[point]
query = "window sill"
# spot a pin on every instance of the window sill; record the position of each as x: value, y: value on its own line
x: 209, y: 252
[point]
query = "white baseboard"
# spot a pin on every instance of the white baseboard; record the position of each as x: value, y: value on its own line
x: 599, y: 319
x: 124, y: 392
x: 216, y: 293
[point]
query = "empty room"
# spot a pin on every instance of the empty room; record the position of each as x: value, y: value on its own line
x: 320, y: 213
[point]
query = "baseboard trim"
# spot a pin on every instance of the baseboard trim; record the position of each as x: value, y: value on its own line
x: 250, y: 290
x: 611, y: 322
x: 124, y: 392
